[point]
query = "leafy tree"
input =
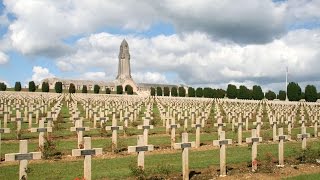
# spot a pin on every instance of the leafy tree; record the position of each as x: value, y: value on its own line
x: 244, y: 93
x: 45, y: 87
x: 257, y: 93
x: 182, y: 92
x: 119, y: 89
x: 3, y: 87
x: 294, y: 91
x: 17, y: 86
x: 311, y: 93
x: 282, y: 95
x: 58, y: 87
x: 232, y: 91
x: 166, y: 91
x: 84, y: 89
x: 218, y: 93
x: 270, y: 95
x: 191, y: 92
x: 199, y: 92
x: 174, y: 91
x: 159, y: 91
x: 72, y: 88
x: 32, y: 86
x: 207, y: 92
x: 96, y: 89
x: 129, y: 90
x: 152, y: 91
x: 108, y: 91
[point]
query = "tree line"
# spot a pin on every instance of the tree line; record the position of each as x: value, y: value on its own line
x: 255, y: 93
x: 58, y: 88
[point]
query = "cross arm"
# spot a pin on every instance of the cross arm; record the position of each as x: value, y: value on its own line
x: 84, y: 152
x: 22, y: 156
x: 114, y: 128
x: 222, y: 142
x: 4, y: 130
x: 253, y: 139
x: 132, y: 149
x: 184, y: 145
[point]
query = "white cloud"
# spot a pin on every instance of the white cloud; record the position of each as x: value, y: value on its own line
x: 97, y: 76
x: 40, y: 73
x: 149, y: 77
x: 44, y: 27
x: 196, y: 59
x: 41, y: 27
x: 3, y: 58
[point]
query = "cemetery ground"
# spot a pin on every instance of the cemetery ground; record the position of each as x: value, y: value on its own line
x: 164, y: 162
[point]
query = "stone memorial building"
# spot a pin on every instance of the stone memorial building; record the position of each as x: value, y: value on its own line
x: 123, y: 78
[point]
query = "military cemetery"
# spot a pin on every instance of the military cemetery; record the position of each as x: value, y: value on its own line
x: 206, y: 90
x: 59, y: 129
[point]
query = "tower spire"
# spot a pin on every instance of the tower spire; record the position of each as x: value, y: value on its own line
x: 124, y: 70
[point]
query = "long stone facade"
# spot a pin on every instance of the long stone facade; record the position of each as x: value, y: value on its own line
x: 123, y: 78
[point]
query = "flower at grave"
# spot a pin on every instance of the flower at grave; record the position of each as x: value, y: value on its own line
x: 77, y: 178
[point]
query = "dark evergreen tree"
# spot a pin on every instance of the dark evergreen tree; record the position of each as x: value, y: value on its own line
x: 208, y: 92
x: 244, y: 92
x: 45, y: 87
x: 3, y: 87
x: 129, y: 90
x: 96, y: 89
x: 294, y: 91
x: 174, y: 92
x: 191, y: 92
x: 159, y: 91
x: 152, y: 91
x: 166, y: 91
x: 257, y: 93
x: 311, y: 93
x: 32, y: 86
x: 199, y: 92
x: 17, y: 86
x: 72, y: 88
x: 119, y: 89
x: 84, y: 89
x: 270, y: 95
x: 58, y: 87
x: 232, y: 91
x: 282, y: 95
x: 182, y: 92
x: 108, y: 91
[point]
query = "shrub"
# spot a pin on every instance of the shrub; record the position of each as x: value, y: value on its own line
x: 152, y: 91
x: 182, y: 92
x: 58, y: 87
x: 199, y: 92
x: 32, y: 86
x: 72, y: 88
x: 17, y: 86
x: 84, y: 89
x: 174, y: 92
x: 3, y: 87
x: 108, y: 91
x: 45, y: 87
x: 129, y: 90
x: 119, y: 89
x: 96, y: 89
x: 191, y: 92
x: 159, y: 91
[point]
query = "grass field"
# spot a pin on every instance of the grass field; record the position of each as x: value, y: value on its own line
x: 163, y: 162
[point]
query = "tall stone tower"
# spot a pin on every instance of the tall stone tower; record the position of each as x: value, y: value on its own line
x: 124, y: 70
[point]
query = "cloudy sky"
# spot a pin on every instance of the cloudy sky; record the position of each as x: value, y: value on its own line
x: 198, y: 43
